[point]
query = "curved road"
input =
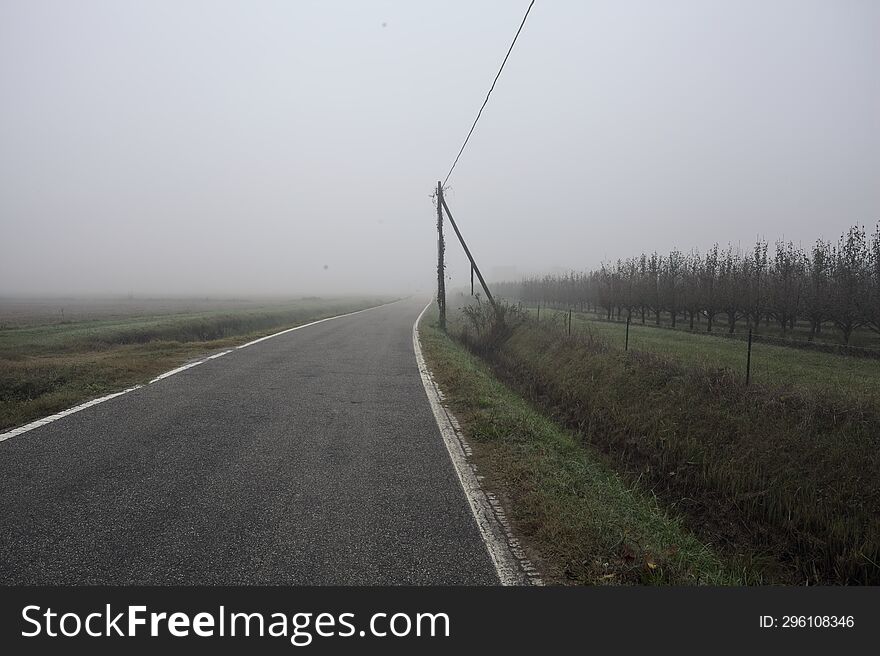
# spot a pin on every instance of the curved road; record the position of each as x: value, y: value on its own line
x: 309, y: 458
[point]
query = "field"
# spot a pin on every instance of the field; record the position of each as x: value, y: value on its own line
x: 770, y: 364
x: 780, y: 478
x: 57, y: 353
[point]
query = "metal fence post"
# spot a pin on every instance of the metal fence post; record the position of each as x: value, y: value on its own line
x: 749, y: 360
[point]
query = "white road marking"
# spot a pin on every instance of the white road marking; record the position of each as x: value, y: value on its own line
x: 189, y: 365
x: 263, y: 339
x: 15, y: 432
x: 48, y: 420
x: 507, y: 556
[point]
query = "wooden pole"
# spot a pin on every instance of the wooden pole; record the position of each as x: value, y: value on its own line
x: 441, y: 247
x: 626, y: 343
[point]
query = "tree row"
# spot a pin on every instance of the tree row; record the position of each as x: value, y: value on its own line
x: 831, y: 283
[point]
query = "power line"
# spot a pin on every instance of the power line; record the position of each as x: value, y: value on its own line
x: 497, y: 75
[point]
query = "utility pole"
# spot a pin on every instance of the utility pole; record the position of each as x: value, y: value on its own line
x: 441, y: 268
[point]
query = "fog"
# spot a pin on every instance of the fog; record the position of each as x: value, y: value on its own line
x: 166, y: 147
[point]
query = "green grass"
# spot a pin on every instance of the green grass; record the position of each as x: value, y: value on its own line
x: 582, y: 523
x: 787, y: 477
x: 48, y: 367
x: 776, y: 365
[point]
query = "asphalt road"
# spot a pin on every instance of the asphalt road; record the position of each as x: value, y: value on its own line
x: 309, y: 458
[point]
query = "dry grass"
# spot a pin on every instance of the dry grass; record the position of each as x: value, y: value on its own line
x: 787, y: 477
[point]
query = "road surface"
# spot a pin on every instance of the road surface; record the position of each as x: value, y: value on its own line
x: 309, y: 458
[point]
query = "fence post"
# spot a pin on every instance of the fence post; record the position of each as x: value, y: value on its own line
x: 749, y: 360
x: 538, y: 320
x: 569, y: 322
x: 626, y: 343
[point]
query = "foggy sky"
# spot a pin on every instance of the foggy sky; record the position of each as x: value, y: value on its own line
x: 162, y: 147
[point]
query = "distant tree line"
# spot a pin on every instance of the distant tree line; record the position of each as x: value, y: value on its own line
x: 836, y: 284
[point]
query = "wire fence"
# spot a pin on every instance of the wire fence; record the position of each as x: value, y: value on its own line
x: 778, y: 365
x: 756, y: 336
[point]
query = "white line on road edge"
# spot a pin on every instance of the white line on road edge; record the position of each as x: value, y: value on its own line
x: 510, y: 561
x: 48, y: 420
x: 15, y: 432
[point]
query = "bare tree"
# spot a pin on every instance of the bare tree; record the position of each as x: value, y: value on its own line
x: 709, y: 286
x: 692, y: 300
x: 872, y: 313
x: 731, y: 284
x: 755, y: 271
x: 670, y: 282
x: 849, y: 282
x: 785, y: 283
x: 817, y: 291
x: 655, y: 266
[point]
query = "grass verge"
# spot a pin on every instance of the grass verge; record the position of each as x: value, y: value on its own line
x: 581, y: 521
x: 786, y: 477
